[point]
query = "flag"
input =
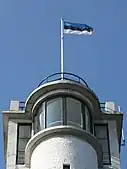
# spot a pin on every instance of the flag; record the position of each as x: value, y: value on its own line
x: 78, y: 29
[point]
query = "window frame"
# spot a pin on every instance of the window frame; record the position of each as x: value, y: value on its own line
x: 18, y: 138
x: 107, y: 138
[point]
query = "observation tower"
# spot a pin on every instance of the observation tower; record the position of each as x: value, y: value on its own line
x: 62, y: 125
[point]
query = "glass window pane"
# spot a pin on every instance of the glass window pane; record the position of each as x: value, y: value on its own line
x: 54, y: 112
x: 74, y: 113
x: 22, y: 144
x: 24, y: 134
x: 106, y: 158
x: 87, y: 122
x: 21, y: 157
x: 101, y: 131
x: 42, y: 121
x: 66, y: 166
x: 42, y: 117
x: 24, y: 131
x: 36, y: 125
x: 104, y: 144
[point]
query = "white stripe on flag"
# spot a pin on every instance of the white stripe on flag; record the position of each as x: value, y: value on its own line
x: 77, y: 32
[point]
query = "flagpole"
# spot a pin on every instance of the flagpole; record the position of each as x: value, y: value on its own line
x: 62, y: 48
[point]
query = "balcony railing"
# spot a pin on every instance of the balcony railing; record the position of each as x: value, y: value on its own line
x: 21, y: 105
x: 71, y: 77
x: 58, y: 76
x: 65, y: 76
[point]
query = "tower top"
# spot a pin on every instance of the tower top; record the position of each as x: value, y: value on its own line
x: 70, y: 84
x: 63, y: 107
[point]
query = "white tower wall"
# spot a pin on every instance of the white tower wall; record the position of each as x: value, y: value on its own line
x: 59, y: 150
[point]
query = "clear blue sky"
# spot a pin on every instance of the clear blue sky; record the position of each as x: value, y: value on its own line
x: 30, y: 49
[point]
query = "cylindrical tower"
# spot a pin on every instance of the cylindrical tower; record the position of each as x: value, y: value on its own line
x: 62, y: 126
x: 63, y: 115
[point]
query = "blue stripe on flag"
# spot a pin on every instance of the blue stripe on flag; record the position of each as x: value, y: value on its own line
x: 77, y: 27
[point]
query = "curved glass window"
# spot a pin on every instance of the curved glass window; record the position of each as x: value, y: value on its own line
x: 63, y: 111
x: 87, y: 119
x: 74, y: 112
x: 54, y: 112
x: 41, y: 117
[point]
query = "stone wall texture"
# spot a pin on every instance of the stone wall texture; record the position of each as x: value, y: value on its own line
x: 59, y: 150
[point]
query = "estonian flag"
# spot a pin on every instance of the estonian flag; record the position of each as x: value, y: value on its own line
x: 78, y: 29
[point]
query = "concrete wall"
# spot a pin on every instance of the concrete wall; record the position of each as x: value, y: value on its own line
x: 12, y: 145
x: 114, y: 145
x: 53, y: 153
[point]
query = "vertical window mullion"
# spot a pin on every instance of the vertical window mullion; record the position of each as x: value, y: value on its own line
x: 83, y: 116
x: 64, y: 109
x: 91, y: 124
x: 45, y: 114
x: 108, y: 144
x: 17, y: 154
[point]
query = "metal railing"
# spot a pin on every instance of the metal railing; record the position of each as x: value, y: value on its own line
x: 66, y: 76
x: 21, y: 105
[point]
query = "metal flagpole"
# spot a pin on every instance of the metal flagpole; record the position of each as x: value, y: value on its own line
x: 62, y: 48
